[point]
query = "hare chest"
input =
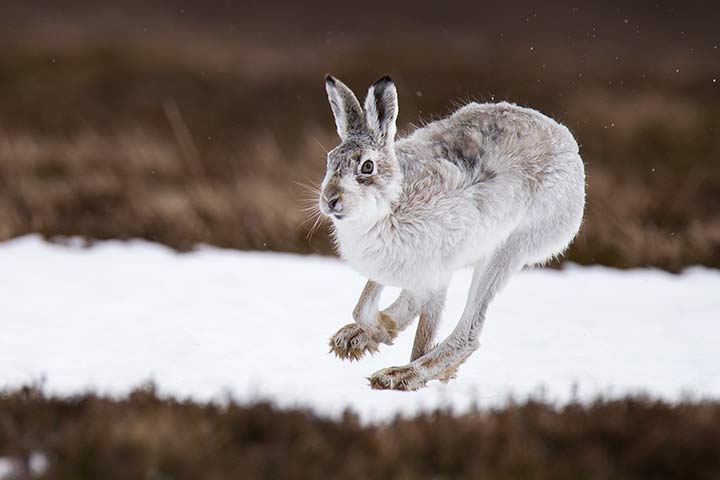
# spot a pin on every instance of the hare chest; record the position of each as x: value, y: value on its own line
x: 420, y: 262
x: 395, y: 267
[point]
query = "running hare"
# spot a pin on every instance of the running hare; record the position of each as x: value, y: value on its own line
x: 495, y: 186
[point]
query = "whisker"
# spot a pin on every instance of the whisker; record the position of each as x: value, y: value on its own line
x: 307, y: 220
x: 309, y: 201
x: 311, y: 216
x: 310, y: 231
x: 319, y: 220
x: 311, y: 213
x: 311, y: 210
x: 308, y: 183
x: 312, y: 193
x: 321, y: 145
x: 309, y: 204
x: 308, y: 186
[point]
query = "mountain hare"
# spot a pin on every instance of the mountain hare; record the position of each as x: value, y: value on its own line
x: 495, y: 186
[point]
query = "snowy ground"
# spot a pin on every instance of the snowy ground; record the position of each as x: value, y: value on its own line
x: 257, y: 325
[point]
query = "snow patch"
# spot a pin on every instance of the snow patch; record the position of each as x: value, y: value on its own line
x: 202, y: 324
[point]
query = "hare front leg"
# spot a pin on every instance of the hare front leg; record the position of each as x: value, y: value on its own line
x: 442, y: 362
x: 371, y: 326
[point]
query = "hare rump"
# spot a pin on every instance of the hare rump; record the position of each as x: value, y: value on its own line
x: 493, y: 186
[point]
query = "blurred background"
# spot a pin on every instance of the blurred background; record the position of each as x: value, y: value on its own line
x: 190, y: 122
x: 187, y: 122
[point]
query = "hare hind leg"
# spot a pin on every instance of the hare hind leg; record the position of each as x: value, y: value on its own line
x: 442, y: 362
x: 371, y: 326
x: 430, y: 314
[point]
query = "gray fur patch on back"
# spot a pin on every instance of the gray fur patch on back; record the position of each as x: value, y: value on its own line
x: 463, y: 150
x: 493, y: 132
x: 485, y: 174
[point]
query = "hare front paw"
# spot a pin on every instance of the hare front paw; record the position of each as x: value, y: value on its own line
x: 397, y: 378
x: 351, y: 342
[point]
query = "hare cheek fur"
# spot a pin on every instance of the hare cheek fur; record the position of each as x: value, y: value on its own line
x: 493, y: 186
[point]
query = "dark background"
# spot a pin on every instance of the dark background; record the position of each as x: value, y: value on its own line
x: 186, y: 121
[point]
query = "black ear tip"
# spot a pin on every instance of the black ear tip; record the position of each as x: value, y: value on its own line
x: 329, y: 79
x: 383, y: 81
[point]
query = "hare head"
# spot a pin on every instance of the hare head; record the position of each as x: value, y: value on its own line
x: 363, y: 178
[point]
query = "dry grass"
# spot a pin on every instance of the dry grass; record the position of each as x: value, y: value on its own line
x: 184, y: 133
x: 145, y: 436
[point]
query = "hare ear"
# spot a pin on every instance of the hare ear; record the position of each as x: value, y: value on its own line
x: 381, y: 108
x: 349, y: 117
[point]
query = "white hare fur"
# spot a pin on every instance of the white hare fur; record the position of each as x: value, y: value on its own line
x: 493, y: 186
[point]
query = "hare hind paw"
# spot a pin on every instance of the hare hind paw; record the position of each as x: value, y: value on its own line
x: 405, y: 378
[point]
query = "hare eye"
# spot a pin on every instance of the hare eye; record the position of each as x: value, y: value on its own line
x: 367, y: 167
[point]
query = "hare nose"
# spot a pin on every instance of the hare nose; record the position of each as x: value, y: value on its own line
x: 333, y: 202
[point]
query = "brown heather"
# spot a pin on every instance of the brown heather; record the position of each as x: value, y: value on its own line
x: 198, y: 129
x: 146, y: 436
